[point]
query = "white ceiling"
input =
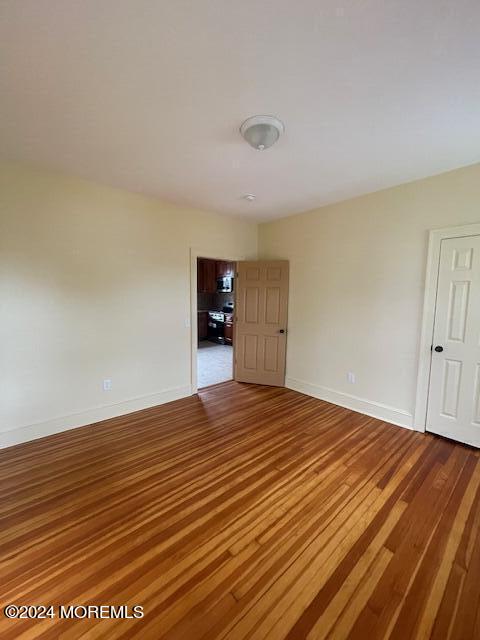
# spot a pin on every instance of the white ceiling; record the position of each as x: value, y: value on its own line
x: 149, y: 94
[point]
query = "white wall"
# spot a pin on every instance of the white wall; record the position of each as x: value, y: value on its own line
x: 356, y: 289
x: 94, y: 284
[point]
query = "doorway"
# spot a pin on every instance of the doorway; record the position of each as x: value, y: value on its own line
x: 215, y: 297
x: 449, y: 383
x: 253, y: 308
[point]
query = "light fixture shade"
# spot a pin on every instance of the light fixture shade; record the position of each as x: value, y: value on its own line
x: 262, y: 131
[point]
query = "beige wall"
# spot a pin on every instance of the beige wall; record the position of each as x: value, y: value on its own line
x: 94, y: 284
x: 356, y: 289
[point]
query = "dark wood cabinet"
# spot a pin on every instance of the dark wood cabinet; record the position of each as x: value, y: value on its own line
x: 206, y: 276
x: 202, y: 325
x: 224, y: 269
x: 228, y: 334
x: 209, y: 270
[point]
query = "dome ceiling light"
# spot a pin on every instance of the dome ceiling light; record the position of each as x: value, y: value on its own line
x: 261, y: 132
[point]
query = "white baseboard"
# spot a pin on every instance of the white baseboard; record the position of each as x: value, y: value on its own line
x: 63, y: 423
x: 368, y: 407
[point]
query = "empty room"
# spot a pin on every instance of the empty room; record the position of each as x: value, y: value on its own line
x: 239, y: 320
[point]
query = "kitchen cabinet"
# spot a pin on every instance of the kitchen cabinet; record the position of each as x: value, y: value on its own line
x: 202, y: 325
x: 206, y: 276
x: 224, y: 269
x: 228, y: 332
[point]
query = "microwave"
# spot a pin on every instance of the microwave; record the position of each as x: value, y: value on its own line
x: 225, y: 284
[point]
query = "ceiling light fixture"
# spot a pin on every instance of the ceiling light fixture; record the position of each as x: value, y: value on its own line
x: 250, y: 197
x: 262, y: 132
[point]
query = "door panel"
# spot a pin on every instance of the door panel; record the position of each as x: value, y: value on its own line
x: 476, y: 417
x: 261, y: 315
x: 451, y: 387
x: 458, y: 310
x: 251, y: 301
x: 453, y: 401
x: 250, y: 351
x: 272, y: 305
x: 270, y: 360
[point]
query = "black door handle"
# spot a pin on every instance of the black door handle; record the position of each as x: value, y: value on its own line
x: 282, y: 331
x: 439, y: 348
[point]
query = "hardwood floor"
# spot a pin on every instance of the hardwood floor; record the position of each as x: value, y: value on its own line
x: 248, y: 512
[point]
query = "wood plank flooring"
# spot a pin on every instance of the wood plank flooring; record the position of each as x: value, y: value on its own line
x: 246, y: 512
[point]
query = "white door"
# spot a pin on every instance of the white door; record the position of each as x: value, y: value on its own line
x: 261, y: 322
x: 454, y: 395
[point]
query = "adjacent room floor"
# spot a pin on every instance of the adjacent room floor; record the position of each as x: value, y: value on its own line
x: 245, y: 512
x: 214, y: 363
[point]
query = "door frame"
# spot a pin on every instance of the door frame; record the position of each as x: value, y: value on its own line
x: 212, y: 254
x: 435, y: 238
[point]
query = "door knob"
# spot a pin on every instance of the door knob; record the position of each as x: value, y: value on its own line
x: 439, y: 348
x: 282, y: 331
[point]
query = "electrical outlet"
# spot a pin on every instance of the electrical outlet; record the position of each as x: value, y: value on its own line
x: 351, y: 377
x: 107, y: 385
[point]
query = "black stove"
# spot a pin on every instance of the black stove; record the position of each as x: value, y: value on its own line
x: 216, y: 326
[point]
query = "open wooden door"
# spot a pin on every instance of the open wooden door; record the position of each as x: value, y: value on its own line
x: 261, y: 322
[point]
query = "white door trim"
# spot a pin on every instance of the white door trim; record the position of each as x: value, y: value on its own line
x: 431, y: 282
x: 213, y: 254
